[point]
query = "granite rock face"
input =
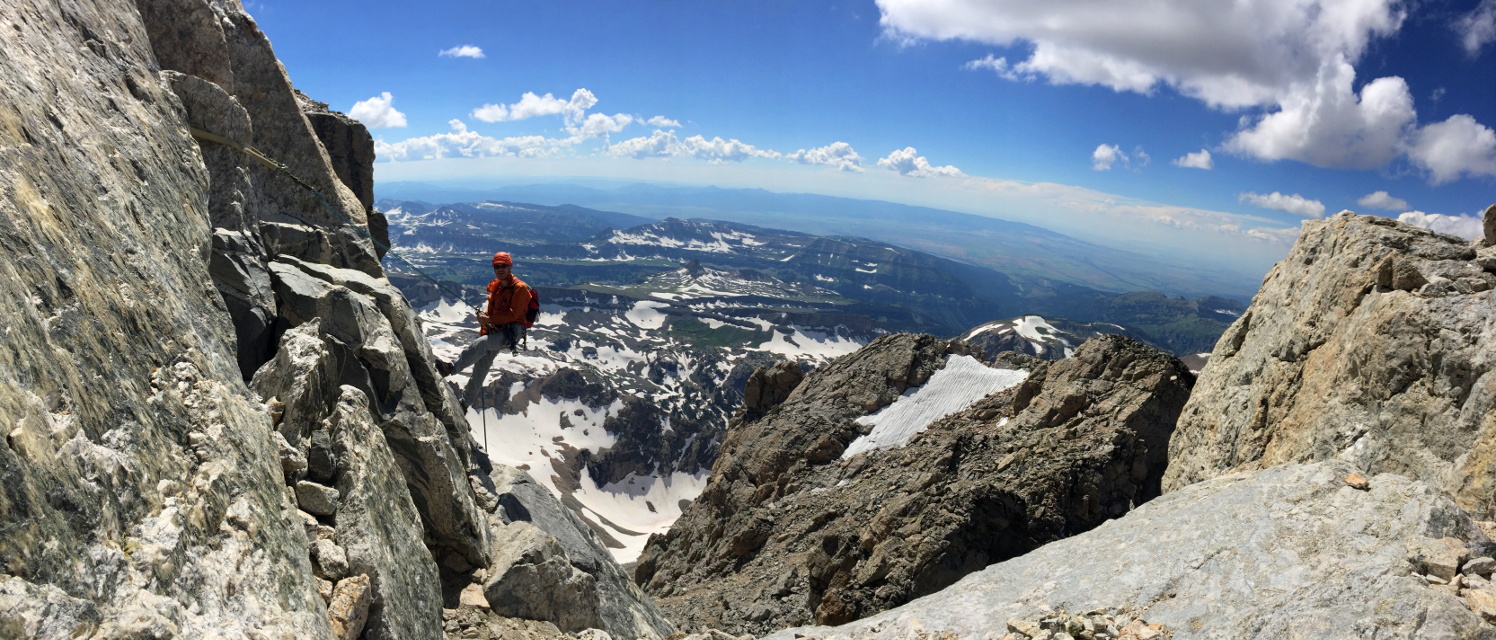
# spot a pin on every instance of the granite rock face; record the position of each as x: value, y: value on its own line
x: 789, y: 531
x: 1287, y: 552
x: 195, y: 346
x: 139, y: 471
x: 1372, y: 341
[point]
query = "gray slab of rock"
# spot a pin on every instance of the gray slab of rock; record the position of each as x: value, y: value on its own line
x: 532, y: 578
x: 316, y: 499
x: 1289, y: 551
x: 1439, y: 558
x: 118, y: 345
x: 1335, y: 359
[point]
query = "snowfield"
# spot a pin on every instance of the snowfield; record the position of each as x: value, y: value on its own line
x: 958, y: 385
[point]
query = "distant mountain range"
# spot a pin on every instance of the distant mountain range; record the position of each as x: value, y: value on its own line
x: 865, y: 282
x: 1012, y: 248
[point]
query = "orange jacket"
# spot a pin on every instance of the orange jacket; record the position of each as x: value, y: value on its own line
x: 506, y: 304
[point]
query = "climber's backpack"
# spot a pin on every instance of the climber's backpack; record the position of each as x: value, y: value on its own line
x: 533, y: 312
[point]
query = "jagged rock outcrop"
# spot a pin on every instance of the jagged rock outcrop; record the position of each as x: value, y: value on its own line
x: 1288, y: 552
x: 1373, y: 340
x: 789, y: 531
x: 149, y: 280
x: 351, y: 150
x: 349, y: 147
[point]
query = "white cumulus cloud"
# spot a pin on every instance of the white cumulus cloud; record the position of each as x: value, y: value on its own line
x: 1477, y: 28
x: 1383, y: 200
x: 1328, y: 125
x: 464, y: 51
x: 659, y: 144
x: 1295, y: 204
x: 1288, y: 63
x: 1468, y: 227
x: 908, y: 162
x: 661, y: 121
x: 837, y: 154
x: 491, y: 113
x: 377, y: 112
x: 597, y: 125
x: 1196, y: 160
x: 1105, y: 155
x: 719, y: 150
x: 531, y: 105
x: 1453, y: 148
x: 462, y: 143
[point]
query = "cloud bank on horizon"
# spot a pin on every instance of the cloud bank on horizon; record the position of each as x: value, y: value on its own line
x: 1285, y: 71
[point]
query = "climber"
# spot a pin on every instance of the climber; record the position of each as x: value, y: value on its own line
x: 500, y: 325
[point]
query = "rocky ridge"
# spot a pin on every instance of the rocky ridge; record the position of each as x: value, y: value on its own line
x: 790, y: 530
x: 228, y: 423
x: 1289, y: 551
x: 1371, y: 340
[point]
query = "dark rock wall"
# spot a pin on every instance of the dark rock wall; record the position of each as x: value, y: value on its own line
x: 788, y: 533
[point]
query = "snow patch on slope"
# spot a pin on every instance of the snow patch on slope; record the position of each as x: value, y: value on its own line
x: 1029, y: 327
x: 646, y: 314
x: 638, y: 506
x: 958, y: 385
x: 809, y: 343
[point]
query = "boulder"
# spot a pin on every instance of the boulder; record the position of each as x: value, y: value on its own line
x: 1289, y: 551
x: 835, y: 537
x: 1343, y: 353
x: 555, y: 534
x: 316, y: 499
x: 348, y: 609
x: 532, y: 578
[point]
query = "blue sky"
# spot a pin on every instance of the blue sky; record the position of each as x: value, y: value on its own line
x: 1090, y: 117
